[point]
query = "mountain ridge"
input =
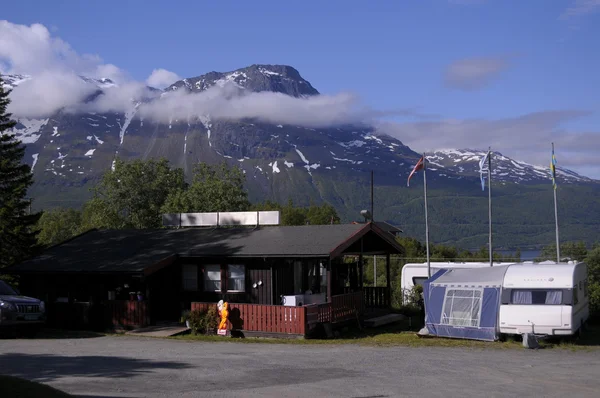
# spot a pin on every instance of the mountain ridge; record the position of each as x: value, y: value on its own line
x: 69, y: 152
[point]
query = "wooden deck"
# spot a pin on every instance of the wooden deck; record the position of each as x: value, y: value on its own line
x: 284, y: 321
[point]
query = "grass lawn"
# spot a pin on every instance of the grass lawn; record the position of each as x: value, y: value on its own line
x: 398, y: 335
x: 15, y: 387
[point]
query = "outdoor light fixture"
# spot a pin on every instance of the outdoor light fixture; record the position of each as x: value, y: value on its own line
x: 366, y: 214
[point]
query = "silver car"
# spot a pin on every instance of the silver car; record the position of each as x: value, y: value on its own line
x: 26, y: 314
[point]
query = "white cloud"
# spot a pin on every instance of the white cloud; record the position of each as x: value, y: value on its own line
x: 47, y: 93
x: 230, y: 103
x: 581, y: 8
x: 33, y: 50
x: 161, y: 78
x: 474, y: 73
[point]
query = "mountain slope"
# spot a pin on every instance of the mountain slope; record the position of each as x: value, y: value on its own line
x: 70, y: 151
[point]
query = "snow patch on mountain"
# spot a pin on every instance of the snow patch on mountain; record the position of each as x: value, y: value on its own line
x: 275, y: 168
x: 205, y: 120
x: 35, y: 157
x: 128, y: 117
x: 288, y: 164
x: 28, y: 130
x: 355, y: 143
x: 301, y: 155
x: 90, y: 152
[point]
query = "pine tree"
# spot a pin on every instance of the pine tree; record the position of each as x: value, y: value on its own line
x: 17, y: 228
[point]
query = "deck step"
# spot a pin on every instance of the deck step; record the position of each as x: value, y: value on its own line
x: 384, y: 320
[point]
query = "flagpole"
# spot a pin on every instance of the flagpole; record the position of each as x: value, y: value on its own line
x: 426, y: 221
x: 555, y: 207
x: 490, y: 204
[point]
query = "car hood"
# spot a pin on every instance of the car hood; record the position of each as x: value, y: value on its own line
x: 19, y: 299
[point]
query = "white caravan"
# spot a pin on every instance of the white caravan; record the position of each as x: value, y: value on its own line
x: 544, y: 299
x: 416, y: 273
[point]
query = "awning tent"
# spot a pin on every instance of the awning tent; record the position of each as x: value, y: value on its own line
x: 464, y: 303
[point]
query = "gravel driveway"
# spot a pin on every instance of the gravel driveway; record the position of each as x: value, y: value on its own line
x: 146, y: 367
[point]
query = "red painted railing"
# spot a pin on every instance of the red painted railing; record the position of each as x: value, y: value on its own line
x: 342, y: 307
x: 290, y: 320
x: 127, y: 313
x: 263, y: 318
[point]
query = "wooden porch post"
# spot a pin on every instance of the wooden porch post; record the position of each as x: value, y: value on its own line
x: 360, y: 265
x: 388, y: 279
x: 329, y: 272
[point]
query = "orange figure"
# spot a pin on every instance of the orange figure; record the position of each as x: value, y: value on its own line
x: 223, y: 312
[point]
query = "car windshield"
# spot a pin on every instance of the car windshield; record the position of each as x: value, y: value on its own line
x: 6, y: 290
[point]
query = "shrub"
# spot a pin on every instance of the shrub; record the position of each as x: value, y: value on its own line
x: 185, y: 315
x: 202, y: 321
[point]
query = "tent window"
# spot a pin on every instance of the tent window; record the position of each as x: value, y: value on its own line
x: 536, y: 297
x: 462, y: 307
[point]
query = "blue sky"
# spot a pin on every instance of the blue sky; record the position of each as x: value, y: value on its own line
x: 507, y: 69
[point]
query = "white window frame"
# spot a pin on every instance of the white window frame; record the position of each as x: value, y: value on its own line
x: 206, y: 279
x: 229, y: 277
x: 446, y: 318
x: 185, y: 278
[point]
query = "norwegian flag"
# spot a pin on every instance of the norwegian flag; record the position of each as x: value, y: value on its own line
x: 419, y: 166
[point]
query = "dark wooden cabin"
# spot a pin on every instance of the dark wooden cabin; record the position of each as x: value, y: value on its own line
x: 149, y: 276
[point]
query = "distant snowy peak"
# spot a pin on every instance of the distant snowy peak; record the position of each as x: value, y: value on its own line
x: 275, y: 78
x: 100, y: 83
x: 11, y: 81
x: 466, y: 162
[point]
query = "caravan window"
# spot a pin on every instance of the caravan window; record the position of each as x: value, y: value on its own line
x: 462, y: 307
x: 536, y: 297
x: 418, y: 281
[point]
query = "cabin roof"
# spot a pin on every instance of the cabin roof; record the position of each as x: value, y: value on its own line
x: 109, y: 251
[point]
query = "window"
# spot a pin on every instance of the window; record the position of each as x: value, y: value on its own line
x: 189, y: 275
x: 236, y: 278
x: 536, y: 297
x: 418, y: 281
x: 585, y: 288
x: 575, y: 295
x: 212, y: 278
x: 462, y: 307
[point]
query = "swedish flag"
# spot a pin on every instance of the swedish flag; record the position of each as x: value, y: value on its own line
x: 553, y: 168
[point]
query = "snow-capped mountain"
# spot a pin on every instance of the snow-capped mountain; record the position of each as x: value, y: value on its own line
x: 275, y: 78
x: 466, y: 162
x: 69, y: 151
x: 11, y: 81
